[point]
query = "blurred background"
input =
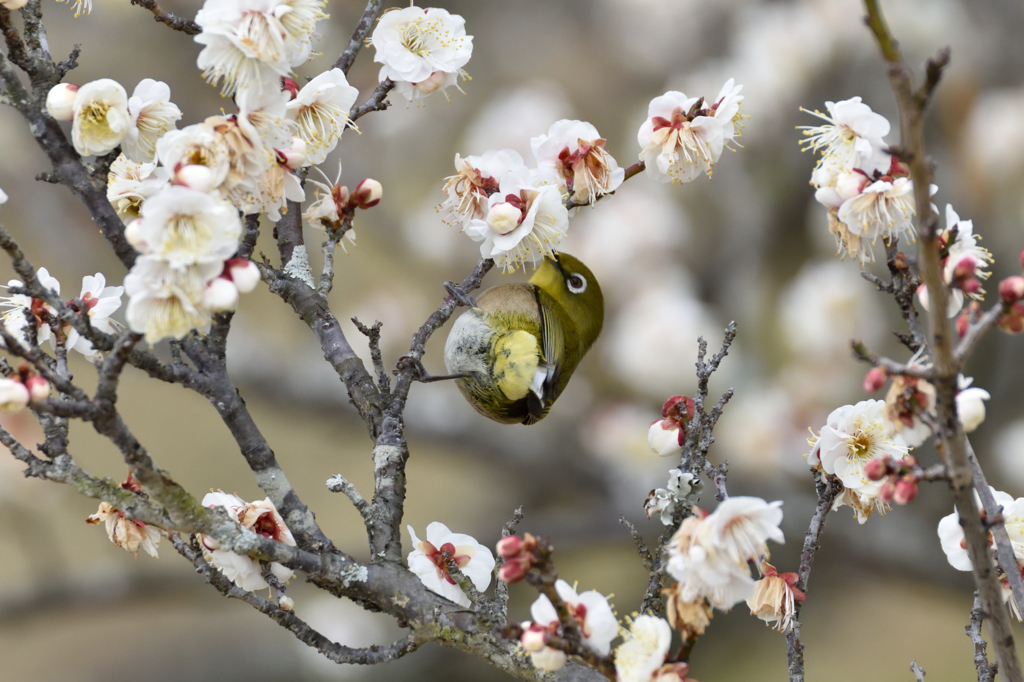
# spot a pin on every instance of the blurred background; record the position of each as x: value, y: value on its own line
x: 674, y: 262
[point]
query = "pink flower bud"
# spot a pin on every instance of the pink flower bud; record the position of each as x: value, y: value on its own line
x: 665, y: 437
x: 1022, y: 258
x: 1012, y: 289
x: 512, y: 571
x: 876, y: 469
x: 244, y: 273
x: 905, y: 490
x: 60, y: 101
x: 965, y: 268
x: 367, y: 193
x: 875, y: 379
x: 194, y: 176
x: 220, y: 295
x: 294, y: 156
x: 971, y: 285
x: 963, y: 323
x: 887, y: 492
x: 510, y: 546
x: 13, y: 396
x: 431, y: 84
x: 534, y: 639
x: 1013, y: 321
x: 38, y: 388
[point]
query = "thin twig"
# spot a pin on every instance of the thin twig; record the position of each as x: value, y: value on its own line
x: 187, y: 26
x: 360, y: 34
x: 918, y: 671
x: 986, y: 671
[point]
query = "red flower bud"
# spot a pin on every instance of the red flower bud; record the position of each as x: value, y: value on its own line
x: 905, y: 490
x: 965, y: 268
x: 510, y: 546
x: 1012, y: 289
x: 875, y: 379
x: 367, y: 193
x: 876, y: 469
x: 1012, y: 322
x: 512, y: 571
x: 887, y: 492
x: 963, y: 323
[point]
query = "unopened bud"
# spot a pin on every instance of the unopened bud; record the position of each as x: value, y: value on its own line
x: 665, y: 437
x: 290, y: 86
x: 1012, y: 289
x: 875, y: 379
x: 534, y: 639
x: 286, y: 603
x: 510, y: 546
x: 294, y: 156
x: 965, y: 268
x: 887, y: 492
x: 194, y: 176
x: 1022, y: 258
x: 679, y: 407
x: 208, y: 542
x: 13, y: 396
x: 220, y: 295
x: 431, y: 84
x: 133, y: 234
x: 512, y: 571
x: 971, y: 285
x: 244, y: 273
x: 504, y: 217
x: 1013, y: 320
x: 60, y: 101
x: 367, y: 193
x: 905, y: 490
x: 38, y: 388
x: 548, y: 659
x: 876, y: 469
x: 963, y: 323
x: 13, y: 4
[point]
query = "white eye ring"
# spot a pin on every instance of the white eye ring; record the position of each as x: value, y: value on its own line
x: 577, y: 283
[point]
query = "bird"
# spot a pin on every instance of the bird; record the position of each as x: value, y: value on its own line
x: 513, y: 352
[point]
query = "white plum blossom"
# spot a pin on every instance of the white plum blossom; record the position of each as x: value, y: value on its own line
x: 101, y: 118
x: 183, y: 227
x: 643, y: 652
x: 125, y: 533
x: 965, y: 263
x: 24, y: 312
x: 260, y: 517
x: 474, y: 560
x: 130, y: 183
x: 426, y: 48
x: 591, y: 611
x: 709, y: 555
x: 246, y: 44
x: 165, y: 302
x: 970, y: 404
x: 152, y: 114
x: 101, y: 301
x: 197, y: 144
x: 320, y: 111
x: 475, y: 178
x: 525, y: 222
x: 852, y: 138
x: 854, y: 435
x: 681, y: 138
x: 884, y: 208
x: 573, y: 153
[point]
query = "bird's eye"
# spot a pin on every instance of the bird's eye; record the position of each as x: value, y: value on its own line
x: 577, y: 283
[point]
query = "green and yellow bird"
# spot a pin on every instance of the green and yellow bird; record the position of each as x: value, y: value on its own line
x: 517, y: 348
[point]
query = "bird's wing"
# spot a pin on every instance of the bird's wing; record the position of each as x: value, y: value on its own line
x: 546, y: 383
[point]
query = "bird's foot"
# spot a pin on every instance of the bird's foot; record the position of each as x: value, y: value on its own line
x: 461, y: 296
x: 420, y: 373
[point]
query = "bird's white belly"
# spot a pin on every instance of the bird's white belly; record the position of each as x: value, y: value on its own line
x: 468, y: 345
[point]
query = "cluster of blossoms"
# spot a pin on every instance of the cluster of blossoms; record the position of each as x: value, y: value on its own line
x: 131, y: 535
x: 260, y: 517
x: 520, y: 214
x: 867, y: 191
x: 422, y: 50
x: 21, y: 388
x: 594, y: 618
x: 964, y: 263
x: 104, y: 117
x: 32, y: 321
x: 954, y: 544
